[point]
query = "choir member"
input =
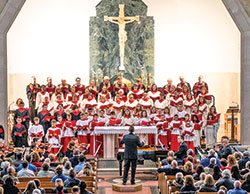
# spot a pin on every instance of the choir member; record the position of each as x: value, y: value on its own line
x: 92, y: 125
x: 75, y: 113
x: 188, y: 133
x: 136, y: 92
x: 176, y: 129
x: 181, y: 113
x: 162, y: 126
x: 118, y: 104
x: 90, y: 102
x: 140, y: 86
x: 82, y: 128
x: 84, y: 95
x: 146, y: 102
x: 58, y: 92
x: 210, y: 130
x: 59, y: 101
x: 65, y: 88
x: 122, y: 95
x: 69, y: 97
x: 106, y: 83
x: 167, y: 88
x: 104, y: 92
x: 23, y: 114
x: 73, y: 102
x: 68, y: 132
x: 93, y: 88
x: 103, y: 103
x: 131, y: 103
x: 154, y: 94
x: 189, y: 103
x: 120, y: 85
x: 50, y: 88
x: 112, y: 120
x: 17, y: 105
x: 183, y: 83
x: 45, y: 118
x: 197, y: 130
x: 48, y: 103
x: 196, y: 112
x: 198, y: 85
x: 78, y: 86
x: 205, y: 95
x: 127, y: 118
x: 161, y: 103
x: 185, y: 91
x: 31, y: 91
x: 175, y: 101
x: 153, y: 113
x: 216, y: 116
x: 54, y: 135
x: 60, y: 112
x: 36, y: 131
x: 60, y: 121
x: 19, y: 134
x: 203, y: 107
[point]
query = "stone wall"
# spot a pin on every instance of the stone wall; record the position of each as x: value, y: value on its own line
x: 246, y: 5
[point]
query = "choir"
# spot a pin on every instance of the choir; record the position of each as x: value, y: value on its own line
x: 57, y: 114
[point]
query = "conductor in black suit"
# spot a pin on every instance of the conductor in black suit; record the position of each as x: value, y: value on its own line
x: 131, y: 142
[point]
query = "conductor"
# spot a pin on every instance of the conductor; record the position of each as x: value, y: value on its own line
x: 131, y: 142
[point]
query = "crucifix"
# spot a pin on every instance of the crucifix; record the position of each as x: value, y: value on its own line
x: 121, y: 20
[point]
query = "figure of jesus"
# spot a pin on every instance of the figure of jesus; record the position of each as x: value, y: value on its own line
x: 122, y: 21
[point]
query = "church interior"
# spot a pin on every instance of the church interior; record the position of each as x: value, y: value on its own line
x: 82, y: 82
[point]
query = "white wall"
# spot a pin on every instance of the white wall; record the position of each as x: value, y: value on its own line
x: 192, y: 37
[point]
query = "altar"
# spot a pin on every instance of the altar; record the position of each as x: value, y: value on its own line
x: 109, y: 134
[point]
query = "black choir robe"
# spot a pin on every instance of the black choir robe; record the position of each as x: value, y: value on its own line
x: 19, y: 135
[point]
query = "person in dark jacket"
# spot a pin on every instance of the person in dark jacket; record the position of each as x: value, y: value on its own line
x: 246, y: 184
x: 226, y: 150
x: 236, y: 173
x: 182, y: 152
x: 131, y: 142
x: 199, y: 170
x: 72, y: 180
x: 188, y: 185
x: 75, y: 159
x: 1, y: 132
x: 216, y: 173
x: 83, y: 186
x: 9, y: 187
x: 225, y: 181
x: 244, y: 160
x: 208, y: 185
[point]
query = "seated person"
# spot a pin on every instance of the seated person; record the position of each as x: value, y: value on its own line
x: 237, y: 189
x: 208, y: 185
x: 72, y: 180
x: 60, y: 189
x: 171, y: 171
x: 179, y: 181
x: 201, y: 181
x: 59, y: 174
x: 225, y: 181
x: 45, y: 172
x: 199, y: 170
x: 188, y: 185
x: 246, y: 183
x: 25, y: 172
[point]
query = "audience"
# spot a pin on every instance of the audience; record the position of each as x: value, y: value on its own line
x: 206, y: 161
x: 201, y: 181
x: 38, y: 184
x: 11, y: 173
x: 19, y: 160
x: 66, y: 168
x: 179, y: 181
x: 87, y: 170
x: 216, y: 173
x: 83, y: 188
x: 79, y: 166
x: 59, y: 187
x: 235, y: 173
x: 30, y: 166
x: 171, y: 171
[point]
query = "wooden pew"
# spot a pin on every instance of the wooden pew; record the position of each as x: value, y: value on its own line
x: 173, y: 189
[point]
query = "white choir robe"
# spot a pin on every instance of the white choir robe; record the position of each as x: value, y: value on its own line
x: 137, y: 94
x: 54, y: 141
x: 69, y: 96
x: 146, y: 103
x: 103, y: 105
x: 181, y: 114
x: 36, y: 131
x: 188, y: 132
x: 56, y: 104
x: 87, y: 103
x: 176, y: 131
x: 154, y: 95
x: 117, y: 106
x: 106, y: 95
x: 188, y: 104
x: 131, y: 105
x: 82, y: 130
x: 70, y: 104
x: 203, y: 108
x: 40, y: 97
x: 161, y: 103
x: 128, y: 121
x: 174, y: 102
